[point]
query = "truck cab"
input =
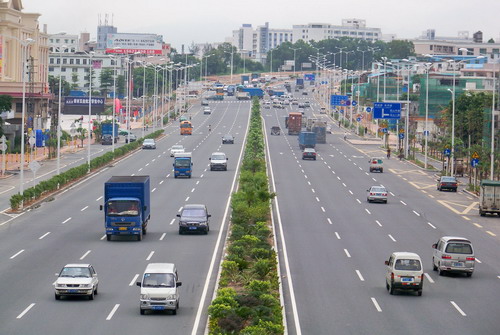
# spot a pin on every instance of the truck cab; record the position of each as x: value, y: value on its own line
x: 182, y: 165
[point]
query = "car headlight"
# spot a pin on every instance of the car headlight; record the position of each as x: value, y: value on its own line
x: 86, y: 285
x: 60, y: 285
x: 144, y: 296
x: 171, y: 297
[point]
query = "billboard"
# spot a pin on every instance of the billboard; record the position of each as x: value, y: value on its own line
x: 83, y: 101
x: 148, y: 44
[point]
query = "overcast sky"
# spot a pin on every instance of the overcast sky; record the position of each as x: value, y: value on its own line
x: 184, y: 22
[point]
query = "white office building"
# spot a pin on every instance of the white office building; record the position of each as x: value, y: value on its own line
x: 63, y: 42
x: 353, y: 28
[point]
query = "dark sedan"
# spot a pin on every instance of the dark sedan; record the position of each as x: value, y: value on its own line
x: 309, y: 153
x: 447, y: 183
x: 228, y: 139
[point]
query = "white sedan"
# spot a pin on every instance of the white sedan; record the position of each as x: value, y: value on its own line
x: 176, y: 149
x: 76, y: 280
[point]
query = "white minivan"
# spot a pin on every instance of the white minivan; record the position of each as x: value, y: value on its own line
x: 159, y: 288
x: 404, y: 272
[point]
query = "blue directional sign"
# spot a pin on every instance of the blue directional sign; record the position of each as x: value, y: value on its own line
x: 386, y: 110
x: 358, y: 119
x: 401, y: 136
x: 339, y: 100
x: 426, y: 133
x: 447, y: 152
x: 309, y: 76
x: 354, y: 103
x: 368, y: 109
x: 474, y: 162
x: 383, y: 130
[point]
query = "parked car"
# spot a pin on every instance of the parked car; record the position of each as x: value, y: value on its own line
x: 130, y: 137
x: 404, y: 272
x: 228, y: 139
x: 309, y: 153
x: 376, y: 164
x: 159, y: 288
x: 218, y: 161
x: 149, y: 143
x: 194, y: 218
x: 447, y: 183
x: 377, y: 193
x: 295, y: 102
x: 76, y: 280
x: 175, y: 149
x: 453, y: 254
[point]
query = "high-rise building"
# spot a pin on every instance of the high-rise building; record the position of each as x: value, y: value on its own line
x: 353, y: 28
x: 63, y: 42
x: 103, y: 29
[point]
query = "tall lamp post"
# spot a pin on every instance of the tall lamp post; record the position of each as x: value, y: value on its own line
x: 294, y: 63
x: 91, y: 55
x: 492, y: 158
x: 59, y: 111
x: 426, y: 130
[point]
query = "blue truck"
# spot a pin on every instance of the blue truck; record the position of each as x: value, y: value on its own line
x: 299, y: 83
x: 183, y: 165
x: 107, y: 133
x: 126, y: 206
x: 254, y: 92
x: 307, y: 139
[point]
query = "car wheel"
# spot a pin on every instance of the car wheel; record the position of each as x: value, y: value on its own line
x: 434, y: 267
x: 440, y: 272
x: 181, y: 231
x: 57, y: 296
x: 371, y: 170
x: 381, y: 170
x: 144, y: 230
x: 205, y: 232
x: 143, y: 311
x: 387, y: 285
x: 91, y: 295
x: 419, y: 293
x: 469, y: 274
x: 391, y: 289
x: 368, y: 200
x: 174, y: 311
x: 385, y: 201
x: 108, y: 237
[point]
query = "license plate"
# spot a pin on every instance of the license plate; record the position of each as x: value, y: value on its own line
x: 458, y: 264
x: 406, y: 279
x: 72, y: 291
x: 192, y: 228
x: 122, y: 228
x: 158, y: 308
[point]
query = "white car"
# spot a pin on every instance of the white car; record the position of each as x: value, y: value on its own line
x: 404, y: 271
x: 76, y: 280
x: 149, y: 143
x: 176, y: 149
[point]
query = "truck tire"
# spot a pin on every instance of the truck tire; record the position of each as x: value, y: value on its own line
x: 139, y: 237
x: 144, y: 229
x: 482, y: 213
x: 108, y: 237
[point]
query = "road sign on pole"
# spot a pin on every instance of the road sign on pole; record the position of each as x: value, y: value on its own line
x: 475, y: 155
x: 3, y: 147
x: 386, y: 110
x: 401, y: 135
x: 474, y: 162
x: 339, y: 100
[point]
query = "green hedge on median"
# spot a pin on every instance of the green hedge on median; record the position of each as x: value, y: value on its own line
x: 54, y: 183
x: 247, y: 301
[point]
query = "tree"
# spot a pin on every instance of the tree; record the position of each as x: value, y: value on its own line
x: 120, y: 85
x: 491, y: 40
x: 5, y: 105
x: 399, y: 49
x: 106, y: 79
x: 74, y: 80
x: 54, y: 86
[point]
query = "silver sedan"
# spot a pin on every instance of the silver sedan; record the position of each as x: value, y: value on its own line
x: 377, y: 193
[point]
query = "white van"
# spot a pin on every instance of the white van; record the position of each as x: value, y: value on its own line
x: 159, y: 288
x: 404, y: 272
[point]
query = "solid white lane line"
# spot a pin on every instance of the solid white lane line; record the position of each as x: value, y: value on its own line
x: 17, y: 254
x: 392, y: 238
x: 150, y: 255
x: 430, y: 224
x: 366, y: 209
x: 134, y: 280
x: 172, y: 222
x: 84, y: 208
x: 187, y: 199
x: 98, y: 198
x: 323, y: 209
x: 25, y: 311
x: 402, y: 202
x: 416, y: 213
x: 338, y: 236
x: 47, y: 233
x: 351, y: 192
x: 429, y: 278
x: 458, y: 308
x: 378, y: 223
x: 192, y: 190
x: 161, y: 182
x: 163, y: 236
x: 347, y: 253
x: 360, y: 276
x: 154, y: 189
x: 377, y: 306
x: 85, y: 254
x: 329, y: 221
x: 110, y: 315
x: 358, y: 201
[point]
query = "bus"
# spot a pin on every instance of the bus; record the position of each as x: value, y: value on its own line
x: 186, y: 128
x: 219, y: 90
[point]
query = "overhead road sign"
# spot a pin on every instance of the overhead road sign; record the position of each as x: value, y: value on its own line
x: 339, y: 100
x: 386, y: 110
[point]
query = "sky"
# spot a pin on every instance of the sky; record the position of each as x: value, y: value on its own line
x: 200, y: 21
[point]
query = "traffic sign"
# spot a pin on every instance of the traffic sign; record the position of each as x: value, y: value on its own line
x: 32, y: 141
x: 339, y: 100
x: 475, y: 155
x: 474, y: 162
x: 386, y: 110
x: 34, y: 166
x: 3, y: 147
x: 401, y: 130
x: 401, y: 136
x: 368, y: 109
x: 354, y: 103
x: 383, y: 130
x: 426, y: 133
x: 358, y: 119
x: 447, y: 152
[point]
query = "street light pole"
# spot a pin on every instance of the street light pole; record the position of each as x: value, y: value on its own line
x: 90, y: 54
x: 114, y: 106
x: 59, y: 112
x: 294, y: 63
x: 426, y: 131
x: 492, y: 157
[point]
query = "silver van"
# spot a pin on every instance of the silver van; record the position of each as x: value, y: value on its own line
x: 453, y: 254
x: 159, y: 288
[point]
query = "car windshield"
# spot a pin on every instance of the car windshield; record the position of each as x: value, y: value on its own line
x: 458, y: 248
x: 83, y: 272
x: 408, y: 265
x: 218, y: 157
x: 122, y: 208
x: 228, y: 137
x: 377, y: 189
x: 448, y: 179
x: 193, y: 213
x: 177, y: 147
x: 149, y: 141
x: 182, y: 163
x: 158, y: 280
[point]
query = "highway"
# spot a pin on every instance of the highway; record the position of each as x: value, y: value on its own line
x: 70, y: 229
x: 333, y: 244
